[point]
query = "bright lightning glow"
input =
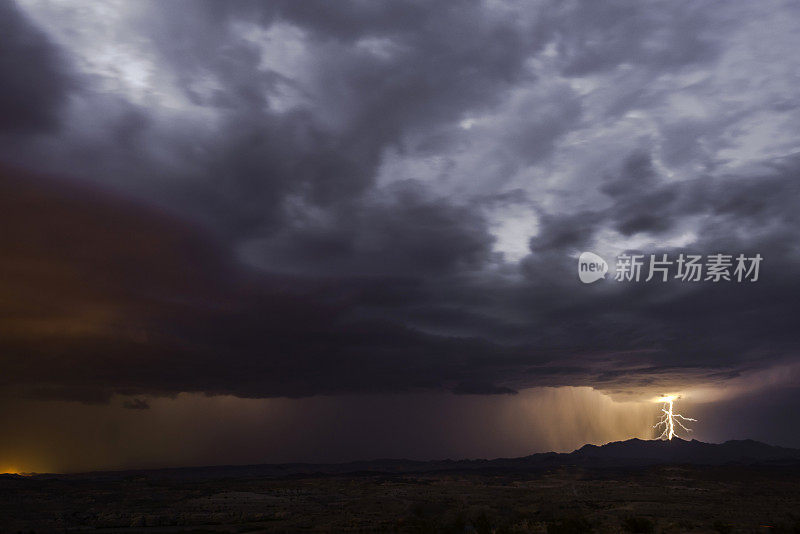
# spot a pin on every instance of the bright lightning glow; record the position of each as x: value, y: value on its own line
x: 669, y: 419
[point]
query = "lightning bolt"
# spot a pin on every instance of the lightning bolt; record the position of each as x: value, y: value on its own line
x: 669, y: 419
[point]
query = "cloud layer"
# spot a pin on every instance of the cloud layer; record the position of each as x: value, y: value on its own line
x: 291, y: 199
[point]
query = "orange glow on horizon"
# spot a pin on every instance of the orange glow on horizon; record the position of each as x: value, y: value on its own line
x: 11, y: 471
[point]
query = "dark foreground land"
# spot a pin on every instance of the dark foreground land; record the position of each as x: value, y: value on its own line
x: 545, y: 495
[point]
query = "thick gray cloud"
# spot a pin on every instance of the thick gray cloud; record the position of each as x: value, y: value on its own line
x: 33, y: 84
x: 391, y: 196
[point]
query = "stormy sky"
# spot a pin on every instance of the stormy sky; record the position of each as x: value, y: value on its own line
x: 323, y: 231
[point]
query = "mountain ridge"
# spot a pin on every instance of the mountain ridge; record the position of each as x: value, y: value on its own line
x: 633, y: 452
x: 689, y: 451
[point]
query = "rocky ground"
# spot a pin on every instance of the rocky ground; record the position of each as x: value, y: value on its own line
x: 560, y: 500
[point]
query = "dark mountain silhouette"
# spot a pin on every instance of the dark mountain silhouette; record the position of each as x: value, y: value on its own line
x: 679, y: 451
x: 622, y: 454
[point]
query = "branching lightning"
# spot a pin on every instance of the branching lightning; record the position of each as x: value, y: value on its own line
x: 669, y: 419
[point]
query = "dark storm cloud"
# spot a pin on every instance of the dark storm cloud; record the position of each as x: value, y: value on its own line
x: 593, y: 37
x: 135, y: 404
x: 309, y: 272
x: 406, y: 234
x: 440, y: 61
x: 33, y: 84
x: 481, y: 388
x: 642, y: 204
x: 106, y: 297
x: 694, y: 327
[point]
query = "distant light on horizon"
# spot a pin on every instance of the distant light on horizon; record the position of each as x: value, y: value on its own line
x: 10, y: 471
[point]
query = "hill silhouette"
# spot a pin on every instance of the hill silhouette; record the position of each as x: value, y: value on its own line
x: 679, y: 451
x: 625, y: 486
x: 618, y: 454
